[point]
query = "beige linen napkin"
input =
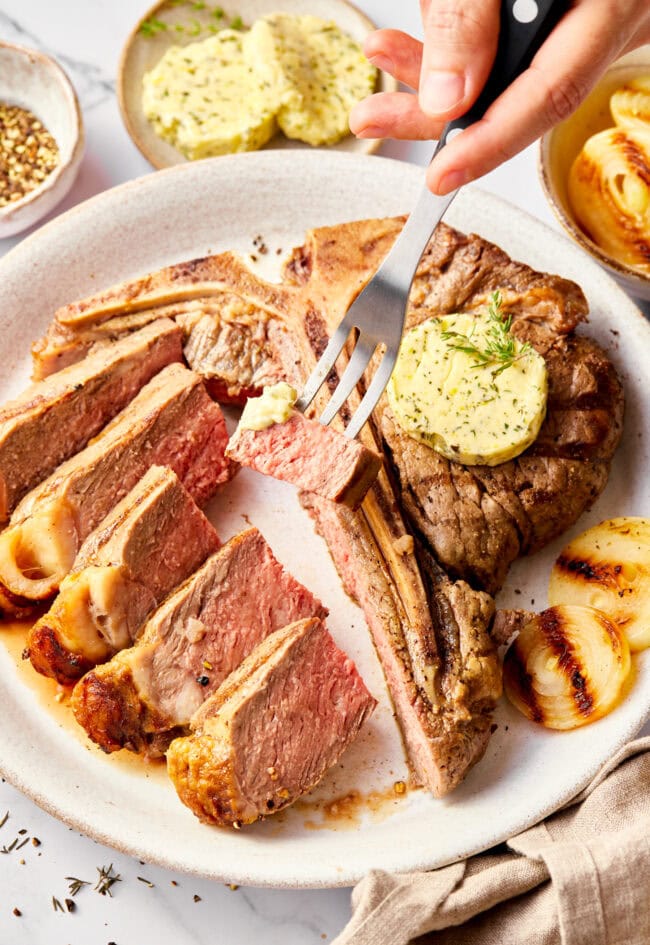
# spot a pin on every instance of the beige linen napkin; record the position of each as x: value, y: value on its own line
x: 582, y: 877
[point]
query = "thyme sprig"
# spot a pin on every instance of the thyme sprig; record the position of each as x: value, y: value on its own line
x: 501, y: 347
x: 107, y: 879
x: 75, y: 885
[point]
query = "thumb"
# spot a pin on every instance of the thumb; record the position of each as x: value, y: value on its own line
x: 460, y: 42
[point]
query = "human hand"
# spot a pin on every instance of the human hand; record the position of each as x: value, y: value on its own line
x: 450, y: 68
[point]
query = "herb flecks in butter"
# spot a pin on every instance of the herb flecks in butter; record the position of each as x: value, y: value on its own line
x: 230, y: 92
x: 317, y: 70
x: 274, y: 406
x: 205, y: 100
x: 465, y: 386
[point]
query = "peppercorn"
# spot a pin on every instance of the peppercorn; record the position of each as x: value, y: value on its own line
x: 28, y: 153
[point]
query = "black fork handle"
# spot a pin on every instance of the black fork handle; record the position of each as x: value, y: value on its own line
x: 518, y: 43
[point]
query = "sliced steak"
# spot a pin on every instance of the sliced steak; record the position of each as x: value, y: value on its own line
x: 247, y: 757
x: 473, y: 524
x: 147, y: 694
x: 54, y: 419
x: 171, y: 422
x: 313, y: 457
x: 147, y: 544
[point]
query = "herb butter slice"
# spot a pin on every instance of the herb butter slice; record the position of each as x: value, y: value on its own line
x: 273, y: 406
x: 206, y: 100
x: 466, y: 387
x: 318, y: 71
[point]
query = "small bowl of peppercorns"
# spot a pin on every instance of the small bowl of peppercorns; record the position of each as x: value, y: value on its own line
x: 41, y: 136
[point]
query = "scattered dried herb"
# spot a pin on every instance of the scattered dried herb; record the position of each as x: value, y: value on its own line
x: 4, y: 819
x: 147, y: 882
x: 107, y: 879
x: 56, y: 905
x: 74, y: 884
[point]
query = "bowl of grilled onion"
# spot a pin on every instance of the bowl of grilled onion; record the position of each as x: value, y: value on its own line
x: 595, y: 170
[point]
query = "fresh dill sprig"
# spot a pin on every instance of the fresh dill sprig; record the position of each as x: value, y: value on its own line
x: 501, y: 347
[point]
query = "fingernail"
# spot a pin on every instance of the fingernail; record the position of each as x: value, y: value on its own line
x: 383, y: 63
x: 441, y: 91
x: 370, y: 132
x: 451, y: 181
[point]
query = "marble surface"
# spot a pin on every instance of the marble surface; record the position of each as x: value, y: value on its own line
x: 168, y: 908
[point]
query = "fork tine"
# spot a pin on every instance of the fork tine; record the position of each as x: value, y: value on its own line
x: 357, y: 364
x: 372, y: 395
x: 325, y: 364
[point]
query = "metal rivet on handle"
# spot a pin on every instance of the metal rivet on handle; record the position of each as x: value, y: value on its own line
x: 453, y: 133
x: 525, y: 11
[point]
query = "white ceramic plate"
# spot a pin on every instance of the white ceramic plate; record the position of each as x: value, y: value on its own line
x: 199, y: 208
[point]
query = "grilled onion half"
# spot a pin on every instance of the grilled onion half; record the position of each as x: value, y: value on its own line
x: 567, y: 667
x: 630, y: 105
x: 608, y: 567
x: 609, y: 192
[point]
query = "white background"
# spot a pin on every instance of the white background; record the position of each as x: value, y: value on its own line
x: 87, y: 38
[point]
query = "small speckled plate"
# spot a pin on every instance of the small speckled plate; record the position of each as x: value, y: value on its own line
x: 185, y: 21
x: 205, y: 207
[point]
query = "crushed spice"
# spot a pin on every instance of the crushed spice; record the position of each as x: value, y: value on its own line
x: 28, y: 153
